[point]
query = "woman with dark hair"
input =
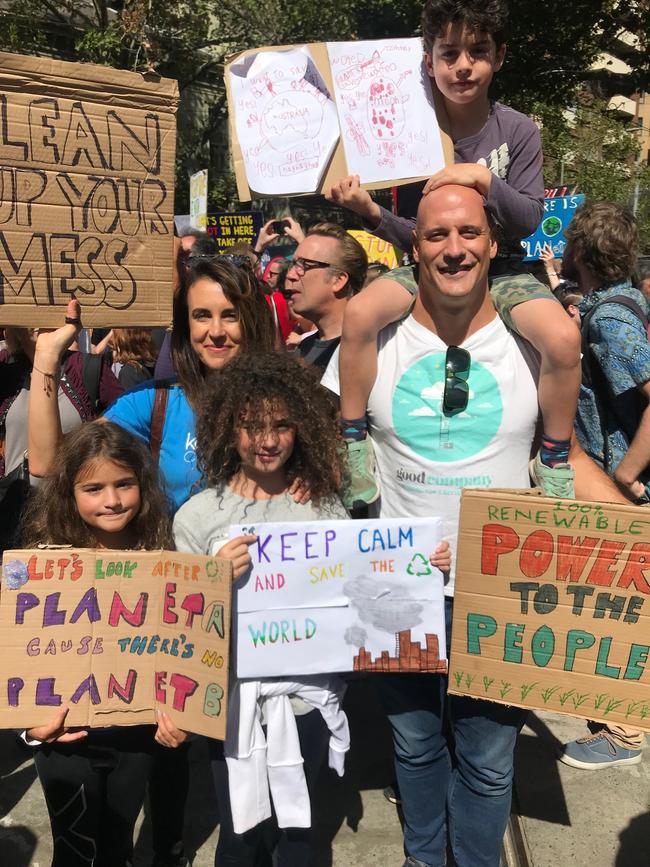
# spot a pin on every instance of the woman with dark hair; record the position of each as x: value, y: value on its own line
x: 218, y: 310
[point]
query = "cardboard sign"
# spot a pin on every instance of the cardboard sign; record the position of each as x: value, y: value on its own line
x: 330, y: 596
x: 230, y: 228
x: 552, y: 606
x: 558, y: 213
x: 86, y: 193
x: 301, y: 117
x: 114, y: 635
x: 377, y: 249
x: 199, y: 199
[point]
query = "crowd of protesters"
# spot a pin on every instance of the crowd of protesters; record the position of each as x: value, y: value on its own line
x: 273, y: 396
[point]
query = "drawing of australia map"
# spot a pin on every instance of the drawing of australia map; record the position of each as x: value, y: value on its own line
x: 286, y: 121
x: 386, y: 113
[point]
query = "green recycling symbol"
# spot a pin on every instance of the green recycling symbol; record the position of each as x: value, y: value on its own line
x: 419, y: 566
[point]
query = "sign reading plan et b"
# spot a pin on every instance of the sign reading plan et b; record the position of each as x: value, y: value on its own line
x: 86, y: 193
x: 552, y: 606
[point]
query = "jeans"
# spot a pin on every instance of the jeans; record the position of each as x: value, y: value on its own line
x: 454, y: 766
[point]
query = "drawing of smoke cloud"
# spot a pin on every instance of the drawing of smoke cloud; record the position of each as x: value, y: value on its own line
x: 384, y: 606
x: 355, y: 635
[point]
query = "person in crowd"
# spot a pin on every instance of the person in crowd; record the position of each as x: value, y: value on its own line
x: 375, y: 270
x: 570, y: 300
x: 103, y: 493
x: 613, y: 419
x: 134, y: 353
x: 275, y: 273
x: 272, y: 230
x: 218, y: 311
x: 642, y: 275
x: 475, y: 419
x: 328, y: 268
x: 498, y: 151
x: 264, y: 422
x: 82, y: 386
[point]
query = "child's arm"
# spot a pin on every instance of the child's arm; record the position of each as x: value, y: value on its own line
x: 441, y: 558
x: 383, y: 301
x: 348, y: 193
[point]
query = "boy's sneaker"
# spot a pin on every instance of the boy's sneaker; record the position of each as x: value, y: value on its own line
x: 596, y: 752
x: 359, y: 486
x: 554, y: 481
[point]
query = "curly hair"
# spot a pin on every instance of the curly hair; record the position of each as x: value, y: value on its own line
x: 134, y: 346
x: 52, y: 517
x: 254, y: 385
x: 242, y: 290
x: 604, y: 237
x: 479, y: 16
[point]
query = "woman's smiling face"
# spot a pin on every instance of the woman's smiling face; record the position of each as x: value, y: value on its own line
x: 215, y: 330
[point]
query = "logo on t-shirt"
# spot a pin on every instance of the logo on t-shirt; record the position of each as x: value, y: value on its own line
x: 498, y: 161
x: 419, y: 422
x: 190, y: 449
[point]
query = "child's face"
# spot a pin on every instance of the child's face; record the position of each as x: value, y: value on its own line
x: 267, y: 450
x: 107, y: 496
x: 463, y: 63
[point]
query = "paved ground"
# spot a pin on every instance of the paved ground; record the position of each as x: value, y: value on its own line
x: 587, y: 819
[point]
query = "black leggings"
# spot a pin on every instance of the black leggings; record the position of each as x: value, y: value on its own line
x: 292, y: 846
x: 94, y: 790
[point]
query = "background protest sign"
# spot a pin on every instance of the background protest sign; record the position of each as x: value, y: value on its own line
x: 330, y: 596
x: 558, y: 213
x: 115, y: 635
x: 230, y: 228
x: 302, y: 117
x: 199, y: 199
x: 552, y: 607
x: 86, y: 193
x: 377, y: 249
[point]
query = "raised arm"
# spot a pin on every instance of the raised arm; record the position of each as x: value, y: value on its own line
x: 44, y: 420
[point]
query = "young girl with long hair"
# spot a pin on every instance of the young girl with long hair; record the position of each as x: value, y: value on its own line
x: 262, y: 423
x: 103, y: 493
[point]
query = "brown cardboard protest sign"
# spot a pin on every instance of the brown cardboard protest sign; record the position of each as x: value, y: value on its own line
x: 338, y: 166
x: 114, y: 635
x: 86, y: 193
x: 552, y: 606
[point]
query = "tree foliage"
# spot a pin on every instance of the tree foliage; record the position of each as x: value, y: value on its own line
x: 551, y: 49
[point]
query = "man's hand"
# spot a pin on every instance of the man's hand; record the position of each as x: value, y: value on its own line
x: 167, y: 735
x: 265, y: 237
x: 465, y: 174
x: 294, y: 230
x: 236, y: 550
x: 56, y: 732
x: 441, y: 557
x: 348, y: 193
x: 629, y: 485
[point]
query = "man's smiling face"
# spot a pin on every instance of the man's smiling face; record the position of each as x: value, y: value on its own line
x: 453, y: 243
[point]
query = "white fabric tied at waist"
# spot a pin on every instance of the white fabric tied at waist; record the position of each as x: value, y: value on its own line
x: 257, y: 764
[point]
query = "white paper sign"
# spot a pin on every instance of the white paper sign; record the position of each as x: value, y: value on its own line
x: 285, y: 119
x: 330, y: 596
x: 386, y: 113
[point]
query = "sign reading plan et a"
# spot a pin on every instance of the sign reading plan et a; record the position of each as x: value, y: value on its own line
x: 86, y: 193
x: 114, y: 635
x: 552, y: 606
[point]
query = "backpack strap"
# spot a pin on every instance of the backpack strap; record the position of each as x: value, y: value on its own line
x: 91, y: 372
x: 158, y: 414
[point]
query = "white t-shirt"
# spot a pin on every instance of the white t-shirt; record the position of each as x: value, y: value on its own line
x: 424, y: 460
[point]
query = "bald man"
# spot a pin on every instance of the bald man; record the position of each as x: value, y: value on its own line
x: 433, y: 435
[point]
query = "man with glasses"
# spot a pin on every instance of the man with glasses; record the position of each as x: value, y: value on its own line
x: 329, y: 266
x: 454, y: 405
